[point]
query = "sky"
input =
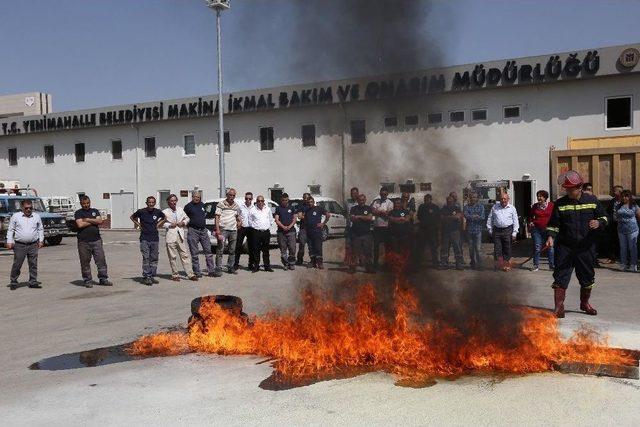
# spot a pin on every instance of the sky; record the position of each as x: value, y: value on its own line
x: 90, y: 53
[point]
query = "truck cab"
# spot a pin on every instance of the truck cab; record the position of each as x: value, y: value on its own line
x: 55, y: 226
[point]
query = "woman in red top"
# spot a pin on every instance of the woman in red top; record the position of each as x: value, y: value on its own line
x: 538, y: 219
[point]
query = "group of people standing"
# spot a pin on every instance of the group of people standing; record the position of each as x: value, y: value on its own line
x: 439, y: 229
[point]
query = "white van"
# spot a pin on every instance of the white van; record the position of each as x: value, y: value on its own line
x: 337, y: 215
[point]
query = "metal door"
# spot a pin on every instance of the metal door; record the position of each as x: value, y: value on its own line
x: 122, y: 206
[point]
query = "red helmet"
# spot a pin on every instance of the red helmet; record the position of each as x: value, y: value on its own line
x: 570, y: 179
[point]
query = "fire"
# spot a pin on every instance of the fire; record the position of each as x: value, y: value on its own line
x: 328, y: 337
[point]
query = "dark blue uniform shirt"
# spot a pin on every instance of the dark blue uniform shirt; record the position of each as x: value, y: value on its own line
x: 285, y: 215
x: 197, y: 215
x: 302, y: 209
x: 90, y: 233
x: 313, y: 217
x: 149, y: 220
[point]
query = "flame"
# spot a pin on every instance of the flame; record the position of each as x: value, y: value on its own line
x: 326, y: 337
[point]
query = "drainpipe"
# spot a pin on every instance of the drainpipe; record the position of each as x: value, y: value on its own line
x: 136, y: 198
x: 343, y: 154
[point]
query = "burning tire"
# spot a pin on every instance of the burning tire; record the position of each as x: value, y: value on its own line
x: 226, y: 302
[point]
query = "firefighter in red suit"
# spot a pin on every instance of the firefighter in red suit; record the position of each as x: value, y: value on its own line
x: 572, y: 232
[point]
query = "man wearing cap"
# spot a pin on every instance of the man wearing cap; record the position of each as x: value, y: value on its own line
x: 572, y: 232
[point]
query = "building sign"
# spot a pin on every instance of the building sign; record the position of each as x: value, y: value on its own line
x: 513, y: 73
x: 629, y: 58
x: 509, y: 73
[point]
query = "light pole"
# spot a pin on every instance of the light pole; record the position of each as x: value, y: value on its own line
x: 219, y: 6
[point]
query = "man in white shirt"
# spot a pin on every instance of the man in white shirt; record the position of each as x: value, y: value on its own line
x: 244, y: 231
x: 381, y: 208
x: 25, y: 236
x: 503, y: 226
x: 260, y: 220
x: 176, y: 239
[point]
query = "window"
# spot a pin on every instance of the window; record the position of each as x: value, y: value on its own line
x: 13, y: 156
x: 358, y: 132
x: 389, y: 186
x: 266, y: 139
x: 80, y: 152
x: 619, y: 113
x: 478, y: 115
x: 48, y: 154
x: 433, y: 118
x: 411, y: 121
x: 390, y: 122
x: 162, y: 198
x: 227, y: 141
x: 116, y: 149
x: 512, y: 112
x: 189, y: 145
x: 314, y: 189
x: 456, y: 116
x: 308, y: 135
x: 150, y: 147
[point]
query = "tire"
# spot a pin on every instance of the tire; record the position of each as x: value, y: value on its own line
x: 54, y: 241
x: 325, y: 233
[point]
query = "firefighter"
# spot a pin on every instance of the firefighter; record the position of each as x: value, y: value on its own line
x: 572, y: 232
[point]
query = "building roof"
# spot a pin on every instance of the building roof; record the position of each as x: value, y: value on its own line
x: 525, y: 71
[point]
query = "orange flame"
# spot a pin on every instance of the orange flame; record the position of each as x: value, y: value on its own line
x: 327, y: 337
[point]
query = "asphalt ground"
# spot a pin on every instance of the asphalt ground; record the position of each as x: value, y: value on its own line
x: 64, y: 317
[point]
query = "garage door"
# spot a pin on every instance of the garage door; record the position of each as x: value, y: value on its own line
x: 122, y: 206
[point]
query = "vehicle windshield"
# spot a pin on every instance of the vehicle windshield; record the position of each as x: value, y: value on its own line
x: 12, y: 205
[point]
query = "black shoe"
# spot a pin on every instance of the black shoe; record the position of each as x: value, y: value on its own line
x: 269, y: 269
x: 13, y: 286
x: 459, y: 267
x: 299, y: 262
x: 148, y: 281
x: 235, y: 269
x: 215, y: 273
x: 198, y: 275
x: 35, y: 285
x: 232, y: 270
x: 254, y: 270
x: 154, y: 280
x: 88, y: 283
x: 292, y: 267
x: 105, y: 282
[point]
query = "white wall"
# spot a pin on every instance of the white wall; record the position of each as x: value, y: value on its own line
x: 446, y: 155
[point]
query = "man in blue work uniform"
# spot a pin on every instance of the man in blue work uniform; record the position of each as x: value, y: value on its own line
x: 302, y: 233
x: 90, y: 243
x: 197, y: 235
x: 400, y: 228
x: 572, y: 232
x: 285, y: 218
x: 313, y: 225
x: 148, y: 220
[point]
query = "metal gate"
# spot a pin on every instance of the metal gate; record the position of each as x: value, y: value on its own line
x: 122, y: 206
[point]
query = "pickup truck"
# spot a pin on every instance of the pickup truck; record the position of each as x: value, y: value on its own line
x: 55, y: 226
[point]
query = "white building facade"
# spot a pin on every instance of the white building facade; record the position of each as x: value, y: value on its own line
x: 439, y: 128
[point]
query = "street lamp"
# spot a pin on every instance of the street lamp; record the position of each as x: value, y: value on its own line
x: 219, y: 6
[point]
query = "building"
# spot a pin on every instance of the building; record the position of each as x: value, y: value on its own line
x: 25, y: 104
x: 439, y: 128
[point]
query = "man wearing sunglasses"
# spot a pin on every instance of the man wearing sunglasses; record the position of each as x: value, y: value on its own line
x: 244, y: 231
x: 260, y: 220
x: 25, y: 236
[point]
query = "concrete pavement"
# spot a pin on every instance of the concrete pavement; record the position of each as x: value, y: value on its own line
x: 214, y: 390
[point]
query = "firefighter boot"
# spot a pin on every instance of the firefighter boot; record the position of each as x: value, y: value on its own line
x: 585, y: 294
x: 558, y: 298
